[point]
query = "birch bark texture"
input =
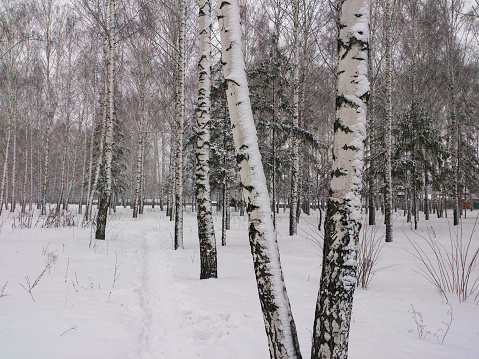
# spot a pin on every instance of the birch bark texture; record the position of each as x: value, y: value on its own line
x: 180, y: 113
x: 206, y: 230
x: 343, y: 218
x: 293, y: 223
x: 388, y: 205
x: 277, y: 316
x: 108, y: 148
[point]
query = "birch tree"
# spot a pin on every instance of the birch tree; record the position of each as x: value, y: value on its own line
x: 206, y: 231
x: 278, y: 319
x: 293, y: 223
x: 180, y: 119
x: 108, y: 141
x: 387, y: 153
x: 343, y: 217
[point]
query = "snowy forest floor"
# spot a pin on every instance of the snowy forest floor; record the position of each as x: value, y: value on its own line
x: 133, y: 296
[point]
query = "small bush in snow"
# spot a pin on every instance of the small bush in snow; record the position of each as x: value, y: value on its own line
x: 422, y: 332
x: 369, y: 254
x: 50, y: 260
x: 23, y: 220
x: 452, y: 270
x: 59, y: 219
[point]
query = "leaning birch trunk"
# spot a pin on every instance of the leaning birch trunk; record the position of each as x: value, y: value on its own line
x: 293, y: 223
x: 388, y: 205
x: 343, y: 218
x: 206, y: 230
x: 107, y: 183
x: 278, y: 319
x: 180, y: 111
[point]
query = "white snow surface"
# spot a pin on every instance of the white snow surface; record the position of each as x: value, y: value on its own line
x: 158, y: 307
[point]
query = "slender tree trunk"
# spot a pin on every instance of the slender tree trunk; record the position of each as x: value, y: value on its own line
x: 46, y: 164
x: 343, y: 218
x: 426, y: 199
x: 387, y: 153
x: 136, y: 205
x: 25, y: 173
x: 142, y: 174
x: 107, y: 182
x: 452, y: 112
x: 62, y: 175
x: 206, y: 230
x: 293, y: 223
x: 180, y: 112
x: 279, y: 323
x: 14, y: 168
x: 82, y: 179
x: 224, y: 215
x: 3, y: 195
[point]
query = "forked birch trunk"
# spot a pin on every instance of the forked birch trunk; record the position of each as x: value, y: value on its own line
x: 278, y: 319
x: 343, y: 217
x: 206, y: 230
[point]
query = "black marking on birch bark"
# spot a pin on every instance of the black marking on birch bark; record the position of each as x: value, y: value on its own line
x: 338, y: 173
x: 223, y: 3
x: 341, y: 99
x: 232, y: 81
x: 352, y: 148
x: 339, y: 126
x: 240, y: 157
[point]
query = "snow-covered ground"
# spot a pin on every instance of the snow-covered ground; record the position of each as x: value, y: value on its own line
x: 133, y: 296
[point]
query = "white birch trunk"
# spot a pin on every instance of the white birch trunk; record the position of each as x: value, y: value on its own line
x: 180, y: 113
x: 343, y: 218
x: 452, y: 111
x: 14, y: 168
x: 293, y: 223
x: 142, y: 176
x: 136, y: 204
x: 278, y: 319
x: 206, y: 230
x: 107, y: 182
x: 83, y: 172
x: 25, y: 173
x: 5, y: 169
x: 388, y: 205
